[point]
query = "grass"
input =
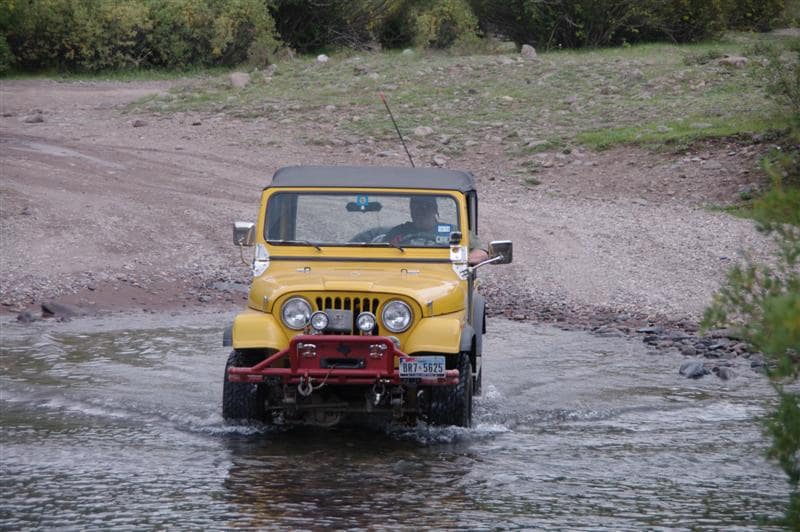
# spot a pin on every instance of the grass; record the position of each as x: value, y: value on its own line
x: 653, y: 95
x: 149, y: 74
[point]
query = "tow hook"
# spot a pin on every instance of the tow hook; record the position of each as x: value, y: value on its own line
x: 304, y: 387
x: 378, y: 389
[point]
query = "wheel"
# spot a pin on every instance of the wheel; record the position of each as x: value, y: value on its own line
x: 243, y: 401
x: 452, y: 405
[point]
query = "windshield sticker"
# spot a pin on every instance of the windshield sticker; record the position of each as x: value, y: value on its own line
x: 443, y: 233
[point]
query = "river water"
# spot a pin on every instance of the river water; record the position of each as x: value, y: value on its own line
x: 115, y: 423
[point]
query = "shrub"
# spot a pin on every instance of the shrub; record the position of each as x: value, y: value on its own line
x: 442, y: 23
x: 96, y: 35
x: 572, y: 23
x: 758, y: 15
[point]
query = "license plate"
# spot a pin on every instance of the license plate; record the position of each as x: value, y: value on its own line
x: 421, y: 367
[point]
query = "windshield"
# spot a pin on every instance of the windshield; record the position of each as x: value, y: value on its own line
x: 401, y: 220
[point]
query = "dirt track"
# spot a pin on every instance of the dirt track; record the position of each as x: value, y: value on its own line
x: 98, y: 212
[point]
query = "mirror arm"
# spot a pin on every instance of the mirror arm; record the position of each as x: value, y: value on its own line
x: 487, y: 261
x: 241, y: 254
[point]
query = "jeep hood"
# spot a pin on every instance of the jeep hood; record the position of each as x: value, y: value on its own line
x: 435, y: 287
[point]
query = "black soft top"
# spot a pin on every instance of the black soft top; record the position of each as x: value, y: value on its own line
x: 373, y: 177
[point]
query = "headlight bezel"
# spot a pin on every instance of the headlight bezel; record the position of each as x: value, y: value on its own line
x: 307, y: 313
x: 390, y: 305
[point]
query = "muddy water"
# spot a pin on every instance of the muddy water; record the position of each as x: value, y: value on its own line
x: 116, y: 423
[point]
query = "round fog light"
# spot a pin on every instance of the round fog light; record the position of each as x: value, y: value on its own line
x: 365, y: 322
x: 319, y: 321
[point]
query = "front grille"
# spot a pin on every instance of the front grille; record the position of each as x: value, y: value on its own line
x: 356, y: 304
x: 346, y: 302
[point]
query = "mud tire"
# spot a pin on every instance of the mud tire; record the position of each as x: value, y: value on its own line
x: 452, y: 405
x: 242, y: 401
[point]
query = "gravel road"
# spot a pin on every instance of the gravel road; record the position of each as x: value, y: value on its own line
x: 120, y: 211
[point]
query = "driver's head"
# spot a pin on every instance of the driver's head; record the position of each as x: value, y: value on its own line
x: 424, y: 211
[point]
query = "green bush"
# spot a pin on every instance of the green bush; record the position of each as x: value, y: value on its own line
x: 574, y: 23
x: 442, y: 23
x: 763, y: 301
x: 93, y: 35
x: 757, y: 15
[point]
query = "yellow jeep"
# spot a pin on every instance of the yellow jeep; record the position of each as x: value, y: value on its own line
x: 362, y: 301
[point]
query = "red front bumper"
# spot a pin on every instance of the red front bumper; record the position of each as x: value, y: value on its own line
x: 336, y: 360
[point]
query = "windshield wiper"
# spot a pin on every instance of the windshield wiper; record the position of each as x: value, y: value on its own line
x: 385, y: 245
x: 295, y: 243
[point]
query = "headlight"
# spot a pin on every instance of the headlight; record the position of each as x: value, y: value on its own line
x: 296, y: 312
x: 396, y: 316
x: 319, y: 321
x: 365, y: 322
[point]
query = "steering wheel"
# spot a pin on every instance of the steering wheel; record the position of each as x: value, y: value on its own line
x: 419, y: 236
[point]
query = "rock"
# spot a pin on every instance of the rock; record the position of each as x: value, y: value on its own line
x: 650, y: 339
x: 139, y: 123
x: 663, y: 129
x: 204, y: 298
x: 330, y: 108
x: 724, y: 333
x: 713, y: 165
x: 506, y: 61
x: 445, y: 139
x: 701, y: 125
x: 634, y: 75
x: 747, y: 191
x: 385, y: 154
x: 60, y: 310
x: 740, y: 348
x: 322, y: 58
x: 688, y: 351
x: 756, y: 361
x: 360, y: 70
x: 723, y: 372
x: 693, y: 369
x: 506, y: 98
x: 407, y: 52
x: 26, y: 317
x: 537, y: 143
x: 650, y: 330
x: 374, y: 75
x: 506, y: 47
x: 239, y: 80
x: 439, y: 160
x: 528, y: 51
x: 197, y: 123
x: 423, y: 131
x: 735, y: 61
x: 33, y: 119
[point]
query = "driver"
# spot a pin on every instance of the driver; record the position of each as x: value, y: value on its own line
x: 424, y: 212
x: 423, y: 221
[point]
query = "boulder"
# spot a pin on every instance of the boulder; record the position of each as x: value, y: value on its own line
x: 33, y: 119
x: 528, y: 51
x: 60, y: 310
x: 735, y: 61
x: 239, y: 80
x: 693, y: 369
x: 423, y: 131
x: 322, y: 58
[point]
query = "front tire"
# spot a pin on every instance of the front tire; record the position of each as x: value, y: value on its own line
x: 242, y: 401
x: 452, y: 405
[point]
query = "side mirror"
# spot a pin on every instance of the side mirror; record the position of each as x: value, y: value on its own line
x: 455, y: 238
x: 244, y: 234
x: 502, y: 249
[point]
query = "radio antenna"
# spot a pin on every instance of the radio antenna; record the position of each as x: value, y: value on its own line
x: 383, y: 99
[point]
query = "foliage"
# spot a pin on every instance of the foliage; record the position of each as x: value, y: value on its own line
x: 758, y: 15
x: 763, y: 301
x: 308, y: 25
x: 442, y: 23
x: 94, y: 35
x: 570, y: 23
